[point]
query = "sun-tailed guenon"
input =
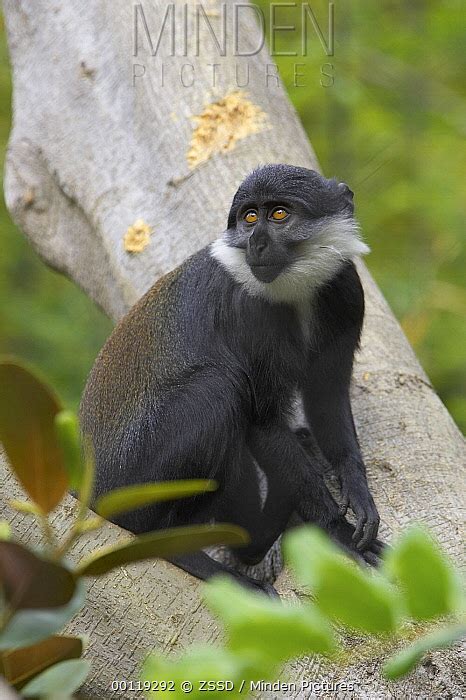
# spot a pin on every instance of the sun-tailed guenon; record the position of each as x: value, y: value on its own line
x: 200, y: 378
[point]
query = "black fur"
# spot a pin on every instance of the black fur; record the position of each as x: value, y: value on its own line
x: 197, y: 381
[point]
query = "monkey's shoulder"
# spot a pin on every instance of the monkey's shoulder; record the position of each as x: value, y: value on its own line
x: 167, y: 324
x: 339, y: 309
x: 198, y: 277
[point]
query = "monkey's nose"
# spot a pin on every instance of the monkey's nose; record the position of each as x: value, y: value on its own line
x: 258, y: 243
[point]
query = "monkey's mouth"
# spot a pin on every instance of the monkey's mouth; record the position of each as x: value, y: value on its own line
x: 266, y: 273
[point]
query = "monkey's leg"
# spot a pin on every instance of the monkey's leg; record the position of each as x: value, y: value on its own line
x: 200, y: 565
x: 204, y: 509
x: 290, y: 488
x: 236, y: 501
x: 294, y: 484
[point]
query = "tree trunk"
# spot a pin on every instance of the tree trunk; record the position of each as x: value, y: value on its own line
x: 91, y: 153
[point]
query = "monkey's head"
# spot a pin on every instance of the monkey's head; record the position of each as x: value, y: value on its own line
x: 289, y: 229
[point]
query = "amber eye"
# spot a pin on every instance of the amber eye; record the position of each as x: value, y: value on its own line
x: 279, y: 214
x: 251, y: 216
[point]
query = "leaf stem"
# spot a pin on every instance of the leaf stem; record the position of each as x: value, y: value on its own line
x: 85, y: 494
x: 49, y: 534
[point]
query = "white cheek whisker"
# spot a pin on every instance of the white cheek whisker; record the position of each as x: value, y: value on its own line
x: 333, y: 249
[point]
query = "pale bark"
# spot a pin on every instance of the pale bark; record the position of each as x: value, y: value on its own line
x: 89, y: 154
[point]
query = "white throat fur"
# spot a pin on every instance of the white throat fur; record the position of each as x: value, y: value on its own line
x: 336, y: 240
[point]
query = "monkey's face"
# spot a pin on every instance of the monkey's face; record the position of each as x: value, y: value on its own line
x: 277, y: 210
x: 289, y: 231
x: 267, y: 231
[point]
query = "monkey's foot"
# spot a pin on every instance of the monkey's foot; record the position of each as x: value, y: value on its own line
x: 258, y: 586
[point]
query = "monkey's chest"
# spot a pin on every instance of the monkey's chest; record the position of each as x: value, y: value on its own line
x: 277, y: 369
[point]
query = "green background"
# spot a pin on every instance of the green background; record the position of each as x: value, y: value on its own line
x: 392, y: 125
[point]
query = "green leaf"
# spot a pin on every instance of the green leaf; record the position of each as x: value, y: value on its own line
x: 400, y: 664
x: 5, y: 530
x: 90, y: 524
x: 29, y: 581
x: 27, y: 412
x: 62, y: 679
x: 130, y: 497
x: 21, y: 665
x: 88, y: 475
x: 161, y: 544
x: 360, y: 599
x: 68, y: 436
x: 197, y: 665
x: 429, y: 584
x: 27, y: 627
x: 305, y: 550
x: 26, y: 507
x: 255, y: 622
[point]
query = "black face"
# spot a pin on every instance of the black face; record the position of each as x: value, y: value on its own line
x: 278, y: 207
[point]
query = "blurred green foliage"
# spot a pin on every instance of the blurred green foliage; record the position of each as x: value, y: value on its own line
x: 261, y: 634
x: 391, y: 125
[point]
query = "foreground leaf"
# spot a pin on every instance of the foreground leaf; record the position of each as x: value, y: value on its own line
x: 26, y: 507
x: 67, y: 432
x: 428, y: 581
x: 198, y: 665
x: 358, y: 598
x: 86, y: 486
x: 161, y: 544
x: 59, y: 680
x: 27, y: 412
x: 130, y: 497
x: 29, y: 581
x: 254, y: 622
x: 90, y: 524
x: 403, y: 662
x: 306, y: 549
x: 5, y: 530
x: 27, y: 627
x: 21, y: 665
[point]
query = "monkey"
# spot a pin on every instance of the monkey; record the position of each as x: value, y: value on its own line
x: 200, y: 378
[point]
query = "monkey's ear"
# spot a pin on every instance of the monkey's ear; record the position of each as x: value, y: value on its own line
x: 346, y: 197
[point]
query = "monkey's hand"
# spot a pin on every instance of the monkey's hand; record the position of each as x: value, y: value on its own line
x: 356, y: 495
x: 342, y: 532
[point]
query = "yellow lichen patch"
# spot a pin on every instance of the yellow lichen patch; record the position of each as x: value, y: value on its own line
x: 137, y: 237
x: 222, y: 124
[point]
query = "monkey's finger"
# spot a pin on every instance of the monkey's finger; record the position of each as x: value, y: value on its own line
x: 370, y: 533
x: 270, y: 590
x: 345, y: 500
x: 344, y: 505
x: 353, y: 553
x: 379, y: 547
x: 357, y: 534
x: 371, y: 558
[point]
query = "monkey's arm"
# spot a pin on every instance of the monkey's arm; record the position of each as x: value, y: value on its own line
x: 326, y: 397
x: 328, y: 409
